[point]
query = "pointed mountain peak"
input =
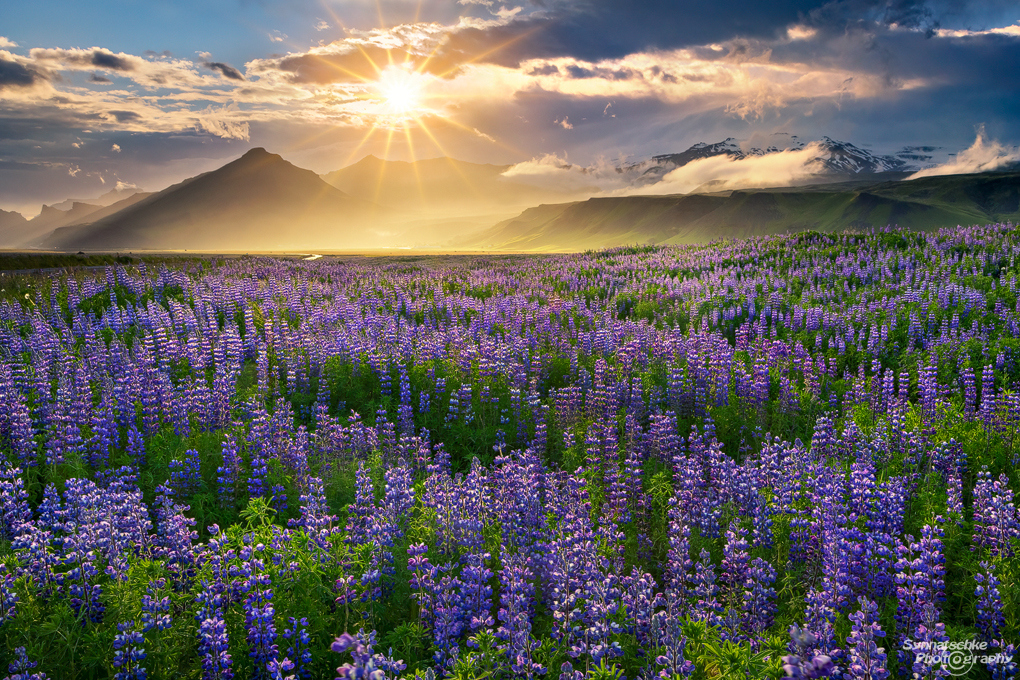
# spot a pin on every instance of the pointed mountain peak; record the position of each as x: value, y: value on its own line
x: 256, y: 153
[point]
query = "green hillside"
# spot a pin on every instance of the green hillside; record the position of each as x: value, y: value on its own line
x: 922, y: 204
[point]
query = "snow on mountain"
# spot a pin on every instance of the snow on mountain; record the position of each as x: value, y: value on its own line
x: 836, y: 157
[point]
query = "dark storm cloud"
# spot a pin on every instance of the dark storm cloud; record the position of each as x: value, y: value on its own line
x: 575, y: 71
x: 227, y: 70
x: 108, y: 60
x: 924, y: 15
x: 592, y: 30
x: 13, y: 74
x: 605, y: 29
x: 125, y: 116
x: 349, y: 66
x: 544, y: 70
x: 898, y: 56
x: 16, y: 165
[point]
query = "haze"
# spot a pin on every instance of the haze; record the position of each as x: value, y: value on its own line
x: 429, y: 123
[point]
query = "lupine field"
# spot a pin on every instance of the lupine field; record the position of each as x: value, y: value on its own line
x: 792, y: 455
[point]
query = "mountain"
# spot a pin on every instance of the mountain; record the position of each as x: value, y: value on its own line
x: 257, y: 202
x: 12, y: 226
x: 438, y: 186
x: 927, y: 203
x: 835, y: 157
x: 109, y: 198
x: 52, y: 218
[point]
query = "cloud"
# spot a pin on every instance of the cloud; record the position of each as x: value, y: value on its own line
x: 322, y: 25
x: 1013, y: 31
x: 722, y: 173
x: 276, y: 36
x: 550, y: 171
x: 115, y: 148
x: 152, y: 72
x: 16, y: 74
x: 227, y: 70
x: 102, y: 80
x: 126, y: 186
x: 125, y: 116
x: 982, y: 156
x: 224, y: 123
x: 716, y: 173
x: 5, y: 42
x: 565, y: 123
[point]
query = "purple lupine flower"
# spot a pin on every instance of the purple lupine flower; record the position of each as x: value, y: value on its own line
x: 422, y: 581
x: 186, y: 474
x: 930, y: 634
x: 155, y: 609
x: 316, y: 519
x: 802, y: 663
x: 213, y: 643
x: 229, y: 472
x: 476, y: 593
x: 865, y: 659
x: 735, y: 559
x: 667, y: 638
x: 14, y: 508
x: 365, y: 663
x: 703, y: 592
x: 678, y: 560
x: 990, y: 618
x: 996, y: 519
x: 258, y: 608
x: 8, y: 597
x: 298, y: 642
x: 21, y: 667
x: 515, y: 614
x: 128, y: 653
x: 759, y: 598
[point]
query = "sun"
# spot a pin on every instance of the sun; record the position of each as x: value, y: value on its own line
x: 401, y: 90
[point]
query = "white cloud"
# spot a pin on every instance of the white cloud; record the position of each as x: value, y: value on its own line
x: 982, y: 156
x: 223, y: 125
x: 322, y: 25
x: 1013, y: 30
x: 565, y: 123
x: 5, y: 42
x: 717, y: 173
x: 553, y: 172
x: 115, y: 148
x: 276, y: 36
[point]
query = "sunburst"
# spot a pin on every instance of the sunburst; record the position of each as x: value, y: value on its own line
x: 402, y: 91
x: 406, y: 96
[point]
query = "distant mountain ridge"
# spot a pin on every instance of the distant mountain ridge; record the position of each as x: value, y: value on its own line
x: 257, y: 202
x: 109, y: 198
x: 454, y: 186
x: 261, y: 202
x: 927, y: 203
x: 836, y: 157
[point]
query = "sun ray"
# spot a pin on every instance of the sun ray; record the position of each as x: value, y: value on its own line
x: 383, y: 26
x: 414, y: 165
x: 502, y: 145
x: 382, y: 166
x: 456, y: 168
x: 485, y: 53
x: 364, y: 140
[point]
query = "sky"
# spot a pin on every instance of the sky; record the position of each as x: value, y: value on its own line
x: 149, y: 92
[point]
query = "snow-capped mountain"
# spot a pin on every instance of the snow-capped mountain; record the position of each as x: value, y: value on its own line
x: 835, y: 157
